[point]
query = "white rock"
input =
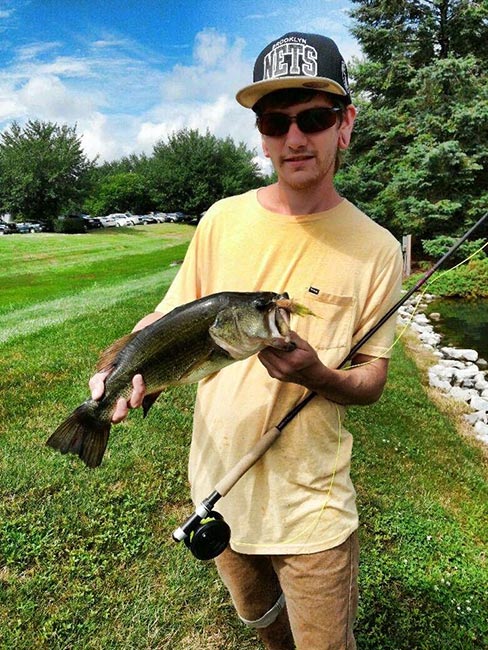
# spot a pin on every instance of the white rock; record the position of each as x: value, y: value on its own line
x: 436, y: 382
x: 455, y: 353
x: 472, y: 418
x: 478, y: 403
x: 468, y: 372
x: 462, y: 394
x: 421, y: 319
x: 481, y: 383
x: 443, y: 372
x: 416, y: 327
x: 452, y: 363
x: 482, y: 431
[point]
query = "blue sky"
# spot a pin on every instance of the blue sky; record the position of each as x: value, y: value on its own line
x: 128, y: 74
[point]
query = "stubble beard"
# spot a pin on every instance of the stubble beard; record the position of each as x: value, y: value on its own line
x: 310, y: 180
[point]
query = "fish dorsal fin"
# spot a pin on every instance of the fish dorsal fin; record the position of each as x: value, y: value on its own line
x: 108, y: 356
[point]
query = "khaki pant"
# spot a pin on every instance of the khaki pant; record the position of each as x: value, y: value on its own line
x: 320, y: 591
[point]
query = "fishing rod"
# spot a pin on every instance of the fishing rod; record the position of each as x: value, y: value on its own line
x: 205, y: 532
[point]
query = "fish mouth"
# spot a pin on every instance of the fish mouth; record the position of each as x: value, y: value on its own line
x: 279, y: 317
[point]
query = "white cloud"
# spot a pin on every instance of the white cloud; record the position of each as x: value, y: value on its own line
x: 47, y: 98
x: 9, y: 107
x: 34, y: 50
x: 202, y: 95
x: 97, y: 139
x: 210, y: 48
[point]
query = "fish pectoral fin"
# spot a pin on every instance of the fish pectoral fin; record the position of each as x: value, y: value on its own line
x: 108, y: 356
x: 202, y: 367
x: 148, y: 401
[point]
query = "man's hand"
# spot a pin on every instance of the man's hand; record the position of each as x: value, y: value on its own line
x: 97, y: 387
x: 362, y: 383
x: 298, y: 366
x: 97, y: 382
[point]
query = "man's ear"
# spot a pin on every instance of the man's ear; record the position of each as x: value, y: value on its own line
x: 265, y: 147
x: 345, y: 129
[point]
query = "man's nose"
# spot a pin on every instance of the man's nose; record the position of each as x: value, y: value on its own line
x: 295, y: 135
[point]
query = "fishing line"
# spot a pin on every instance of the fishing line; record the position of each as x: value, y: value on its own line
x: 417, y: 305
x: 313, y: 525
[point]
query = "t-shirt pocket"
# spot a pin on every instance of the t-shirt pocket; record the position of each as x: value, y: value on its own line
x: 332, y: 326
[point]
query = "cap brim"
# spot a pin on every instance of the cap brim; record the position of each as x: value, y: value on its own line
x: 249, y: 95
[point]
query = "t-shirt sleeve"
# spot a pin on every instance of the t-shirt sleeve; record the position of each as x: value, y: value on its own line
x: 383, y: 294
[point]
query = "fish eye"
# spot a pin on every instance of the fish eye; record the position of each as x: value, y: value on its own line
x: 261, y: 304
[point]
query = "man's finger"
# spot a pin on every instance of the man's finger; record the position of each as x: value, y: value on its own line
x: 97, y: 384
x: 121, y: 410
x: 138, y: 391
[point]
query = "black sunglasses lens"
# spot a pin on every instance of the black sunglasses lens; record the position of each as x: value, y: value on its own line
x: 315, y: 120
x: 312, y: 120
x: 274, y: 124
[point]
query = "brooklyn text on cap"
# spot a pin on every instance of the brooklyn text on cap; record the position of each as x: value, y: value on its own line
x: 297, y: 60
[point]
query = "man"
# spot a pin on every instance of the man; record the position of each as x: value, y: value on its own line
x: 291, y: 568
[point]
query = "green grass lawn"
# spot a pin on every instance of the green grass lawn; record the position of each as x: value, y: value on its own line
x: 86, y: 556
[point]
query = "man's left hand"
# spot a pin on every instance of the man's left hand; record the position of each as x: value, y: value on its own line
x: 299, y: 366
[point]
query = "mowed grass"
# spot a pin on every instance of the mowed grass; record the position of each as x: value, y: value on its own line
x: 86, y: 556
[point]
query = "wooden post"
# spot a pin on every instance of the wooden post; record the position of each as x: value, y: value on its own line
x: 407, y: 255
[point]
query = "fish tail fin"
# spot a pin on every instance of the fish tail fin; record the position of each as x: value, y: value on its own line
x: 82, y: 433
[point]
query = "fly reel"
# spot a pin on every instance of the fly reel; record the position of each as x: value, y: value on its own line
x: 205, y: 532
x: 210, y: 537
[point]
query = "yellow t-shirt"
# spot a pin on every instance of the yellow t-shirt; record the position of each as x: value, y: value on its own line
x: 299, y: 497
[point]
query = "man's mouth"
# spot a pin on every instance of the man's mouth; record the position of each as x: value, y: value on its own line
x: 298, y: 158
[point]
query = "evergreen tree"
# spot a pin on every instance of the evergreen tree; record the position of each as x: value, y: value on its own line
x: 418, y: 160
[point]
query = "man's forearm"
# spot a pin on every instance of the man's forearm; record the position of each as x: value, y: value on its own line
x: 361, y: 384
x: 357, y: 385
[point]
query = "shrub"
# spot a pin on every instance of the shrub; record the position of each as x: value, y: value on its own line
x: 467, y: 281
x: 437, y: 247
x: 70, y: 226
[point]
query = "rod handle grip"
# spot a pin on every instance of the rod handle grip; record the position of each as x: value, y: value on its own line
x: 247, y: 461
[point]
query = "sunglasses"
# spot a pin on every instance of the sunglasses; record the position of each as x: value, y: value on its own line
x: 312, y: 120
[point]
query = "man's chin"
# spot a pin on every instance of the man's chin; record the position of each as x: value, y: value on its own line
x: 301, y: 181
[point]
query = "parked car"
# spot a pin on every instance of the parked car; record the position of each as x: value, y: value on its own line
x: 160, y: 217
x: 175, y: 217
x: 92, y: 223
x: 122, y: 219
x: 71, y: 224
x: 25, y: 227
x: 4, y: 229
x: 108, y: 222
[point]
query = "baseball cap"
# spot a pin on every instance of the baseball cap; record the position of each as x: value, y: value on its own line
x: 297, y: 60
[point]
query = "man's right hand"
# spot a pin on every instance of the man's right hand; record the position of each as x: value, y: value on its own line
x: 97, y: 387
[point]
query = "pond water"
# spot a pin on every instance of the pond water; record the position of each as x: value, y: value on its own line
x: 463, y: 323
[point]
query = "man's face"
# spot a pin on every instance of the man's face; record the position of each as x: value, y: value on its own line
x: 306, y: 160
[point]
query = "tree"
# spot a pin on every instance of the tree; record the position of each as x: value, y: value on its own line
x: 418, y: 159
x: 120, y: 192
x: 191, y: 171
x: 43, y: 171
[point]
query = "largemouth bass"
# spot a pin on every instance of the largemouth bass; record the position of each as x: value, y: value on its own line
x: 184, y: 346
